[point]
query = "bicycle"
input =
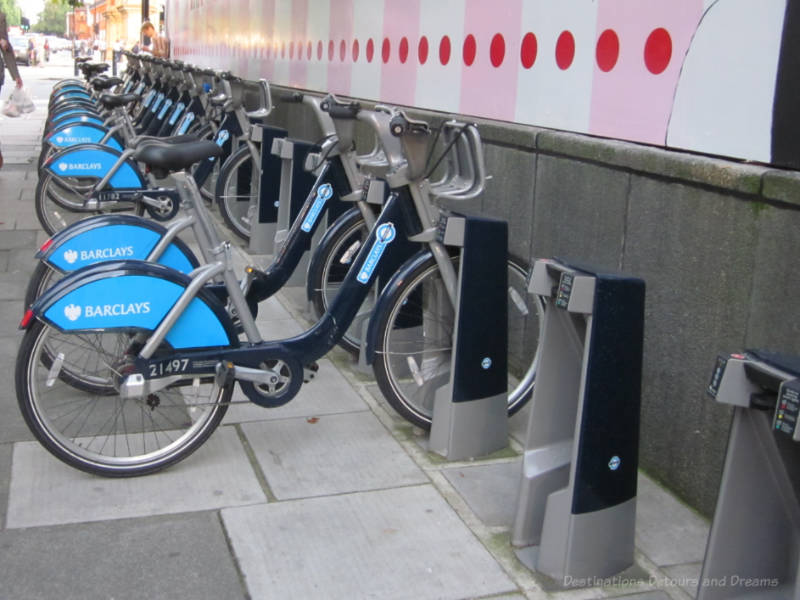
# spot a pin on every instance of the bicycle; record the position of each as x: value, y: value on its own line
x: 166, y: 352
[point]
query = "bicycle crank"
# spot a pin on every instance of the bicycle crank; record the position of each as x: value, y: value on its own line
x: 274, y: 383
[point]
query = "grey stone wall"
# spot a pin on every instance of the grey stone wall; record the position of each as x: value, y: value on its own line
x: 716, y: 242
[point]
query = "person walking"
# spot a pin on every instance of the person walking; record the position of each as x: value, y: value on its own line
x: 158, y: 45
x: 7, y: 60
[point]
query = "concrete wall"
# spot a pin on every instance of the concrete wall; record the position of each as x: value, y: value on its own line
x: 716, y: 242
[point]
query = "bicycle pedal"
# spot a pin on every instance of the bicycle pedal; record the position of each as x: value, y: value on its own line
x: 310, y: 371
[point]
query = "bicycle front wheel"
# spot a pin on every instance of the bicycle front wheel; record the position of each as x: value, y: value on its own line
x: 236, y: 192
x: 328, y: 267
x: 414, y: 345
x: 97, y: 430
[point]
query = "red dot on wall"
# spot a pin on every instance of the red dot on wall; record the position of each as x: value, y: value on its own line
x: 370, y: 50
x: 283, y: 50
x: 330, y: 50
x: 658, y: 51
x: 402, y: 50
x: 309, y: 50
x: 355, y: 50
x: 497, y: 50
x: 319, y: 50
x: 444, y: 50
x: 291, y: 49
x: 565, y: 50
x: 342, y: 50
x: 607, y: 51
x: 386, y: 50
x: 469, y: 50
x: 422, y: 50
x: 528, y: 50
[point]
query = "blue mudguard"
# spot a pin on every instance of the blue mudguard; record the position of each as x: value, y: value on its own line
x: 105, y: 238
x: 94, y: 160
x: 135, y: 296
x: 72, y: 134
x: 74, y: 119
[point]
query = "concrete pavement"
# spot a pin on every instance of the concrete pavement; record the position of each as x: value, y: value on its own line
x: 330, y: 496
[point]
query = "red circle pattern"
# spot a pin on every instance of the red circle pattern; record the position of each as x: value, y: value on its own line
x: 370, y: 50
x: 422, y: 50
x: 386, y: 50
x: 470, y: 50
x: 402, y: 51
x: 444, y: 50
x: 565, y: 50
x: 528, y: 50
x: 607, y: 51
x: 657, y: 50
x: 497, y: 50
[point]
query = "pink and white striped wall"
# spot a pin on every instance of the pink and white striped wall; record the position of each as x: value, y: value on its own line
x: 693, y: 74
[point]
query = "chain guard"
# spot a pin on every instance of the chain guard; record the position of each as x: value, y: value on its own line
x: 288, y: 378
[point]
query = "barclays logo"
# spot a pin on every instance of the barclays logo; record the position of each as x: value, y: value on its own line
x: 70, y: 256
x: 80, y: 166
x: 72, y: 312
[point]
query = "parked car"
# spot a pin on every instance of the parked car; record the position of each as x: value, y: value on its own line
x: 20, y: 45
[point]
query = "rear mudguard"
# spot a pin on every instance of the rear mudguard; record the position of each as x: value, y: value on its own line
x: 94, y: 160
x: 105, y: 238
x: 135, y: 296
x: 72, y: 134
x: 74, y: 119
x: 69, y: 112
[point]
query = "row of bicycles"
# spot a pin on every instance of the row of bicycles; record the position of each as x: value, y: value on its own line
x: 133, y: 342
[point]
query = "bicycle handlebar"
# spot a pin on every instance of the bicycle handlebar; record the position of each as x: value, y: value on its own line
x: 293, y: 97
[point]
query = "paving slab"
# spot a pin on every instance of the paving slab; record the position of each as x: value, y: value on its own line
x: 18, y: 239
x: 11, y: 313
x: 491, y: 490
x: 329, y: 393
x: 686, y: 577
x: 14, y: 428
x: 400, y: 543
x: 14, y: 284
x: 5, y: 478
x: 331, y: 454
x: 161, y: 558
x: 668, y: 531
x: 45, y: 491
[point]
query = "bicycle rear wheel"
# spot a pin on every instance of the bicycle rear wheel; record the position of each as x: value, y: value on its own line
x: 99, y: 431
x: 414, y: 345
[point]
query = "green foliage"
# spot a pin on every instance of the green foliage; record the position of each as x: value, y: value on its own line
x: 52, y: 20
x: 13, y: 12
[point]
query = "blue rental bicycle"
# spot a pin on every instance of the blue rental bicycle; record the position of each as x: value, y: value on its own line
x: 127, y: 367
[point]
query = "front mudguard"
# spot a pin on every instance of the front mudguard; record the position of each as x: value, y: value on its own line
x: 113, y: 237
x: 387, y: 299
x: 133, y: 296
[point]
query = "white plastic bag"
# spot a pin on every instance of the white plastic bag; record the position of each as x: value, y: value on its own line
x: 26, y: 102
x: 18, y: 102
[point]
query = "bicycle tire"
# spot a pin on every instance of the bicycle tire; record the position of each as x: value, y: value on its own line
x: 328, y: 266
x: 412, y: 361
x: 105, y: 434
x: 236, y: 205
x: 42, y: 278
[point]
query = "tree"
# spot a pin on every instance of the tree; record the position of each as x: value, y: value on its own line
x: 13, y: 12
x: 53, y: 19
